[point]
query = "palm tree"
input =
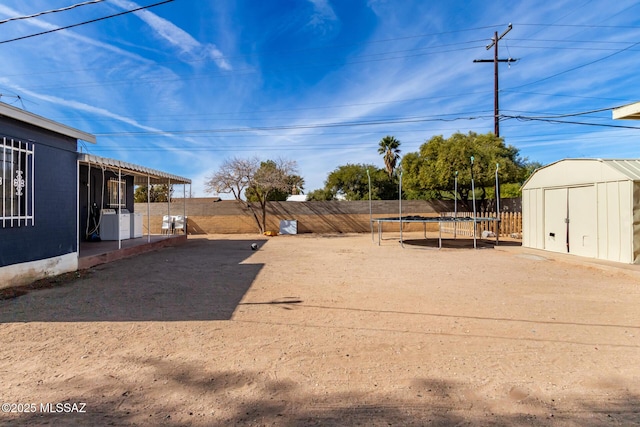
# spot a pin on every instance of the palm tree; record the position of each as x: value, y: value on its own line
x: 391, y: 153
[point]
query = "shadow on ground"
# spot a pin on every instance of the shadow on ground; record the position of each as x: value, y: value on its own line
x: 459, y: 243
x: 244, y: 397
x: 200, y: 280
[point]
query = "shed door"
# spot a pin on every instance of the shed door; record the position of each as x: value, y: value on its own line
x: 555, y: 216
x: 582, y: 221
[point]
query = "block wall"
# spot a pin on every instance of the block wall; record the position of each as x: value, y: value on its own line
x: 208, y: 216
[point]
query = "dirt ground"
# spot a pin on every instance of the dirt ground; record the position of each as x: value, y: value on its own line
x: 326, y: 330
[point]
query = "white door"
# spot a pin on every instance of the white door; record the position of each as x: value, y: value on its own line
x: 555, y: 220
x: 582, y: 221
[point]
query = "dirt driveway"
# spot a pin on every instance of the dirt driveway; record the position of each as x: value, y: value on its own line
x: 326, y: 330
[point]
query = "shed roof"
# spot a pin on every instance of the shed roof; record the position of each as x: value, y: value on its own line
x: 140, y: 173
x: 44, y: 123
x: 629, y: 167
x: 584, y: 171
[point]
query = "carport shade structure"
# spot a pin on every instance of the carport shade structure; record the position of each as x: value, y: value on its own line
x: 141, y: 176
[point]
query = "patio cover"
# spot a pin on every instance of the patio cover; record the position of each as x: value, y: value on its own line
x: 142, y: 175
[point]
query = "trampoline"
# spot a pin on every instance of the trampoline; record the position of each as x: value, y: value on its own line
x: 439, y: 220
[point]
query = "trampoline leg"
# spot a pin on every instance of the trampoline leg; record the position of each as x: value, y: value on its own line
x: 474, y: 234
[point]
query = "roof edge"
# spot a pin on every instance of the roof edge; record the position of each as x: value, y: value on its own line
x: 44, y: 123
x: 608, y: 162
x: 132, y: 168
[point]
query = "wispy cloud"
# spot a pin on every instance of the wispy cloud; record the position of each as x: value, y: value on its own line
x: 324, y: 18
x: 163, y: 141
x: 81, y: 106
x: 177, y: 37
x: 39, y: 23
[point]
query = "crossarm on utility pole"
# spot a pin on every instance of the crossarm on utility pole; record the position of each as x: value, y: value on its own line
x: 494, y: 43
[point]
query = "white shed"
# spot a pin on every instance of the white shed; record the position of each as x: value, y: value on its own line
x: 586, y: 207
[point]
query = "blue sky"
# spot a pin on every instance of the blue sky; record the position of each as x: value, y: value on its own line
x: 184, y: 85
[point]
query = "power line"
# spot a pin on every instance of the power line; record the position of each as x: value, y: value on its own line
x: 304, y: 147
x: 590, y: 49
x: 245, y: 113
x: 249, y: 71
x: 302, y: 66
x: 372, y: 42
x: 86, y: 22
x: 568, y: 96
x: 262, y: 53
x: 289, y: 127
x: 578, y: 25
x: 577, y: 67
x: 582, y: 113
x: 211, y: 116
x: 526, y: 119
x: 564, y: 41
x: 199, y: 133
x: 63, y: 9
x: 378, y: 122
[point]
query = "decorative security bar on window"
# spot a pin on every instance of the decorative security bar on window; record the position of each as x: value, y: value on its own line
x: 16, y: 182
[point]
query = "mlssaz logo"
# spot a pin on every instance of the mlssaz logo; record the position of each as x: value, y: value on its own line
x: 65, y: 407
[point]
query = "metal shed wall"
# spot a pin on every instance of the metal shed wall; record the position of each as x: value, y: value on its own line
x: 635, y: 223
x: 601, y: 200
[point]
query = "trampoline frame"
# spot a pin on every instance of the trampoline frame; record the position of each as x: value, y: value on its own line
x: 455, y: 219
x: 440, y: 220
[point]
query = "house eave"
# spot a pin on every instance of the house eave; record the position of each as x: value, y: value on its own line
x: 44, y: 123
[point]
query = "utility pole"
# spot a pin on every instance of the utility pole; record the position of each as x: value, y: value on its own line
x: 495, y: 60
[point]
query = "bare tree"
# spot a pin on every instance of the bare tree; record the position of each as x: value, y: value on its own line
x: 256, y: 181
x: 272, y: 178
x: 234, y: 176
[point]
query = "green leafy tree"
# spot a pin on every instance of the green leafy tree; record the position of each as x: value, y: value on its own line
x: 351, y: 182
x: 295, y: 185
x: 158, y: 193
x: 431, y: 172
x: 529, y: 168
x: 389, y: 148
x: 320, y: 194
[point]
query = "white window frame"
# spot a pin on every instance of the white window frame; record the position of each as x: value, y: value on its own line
x: 120, y: 196
x: 17, y: 184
